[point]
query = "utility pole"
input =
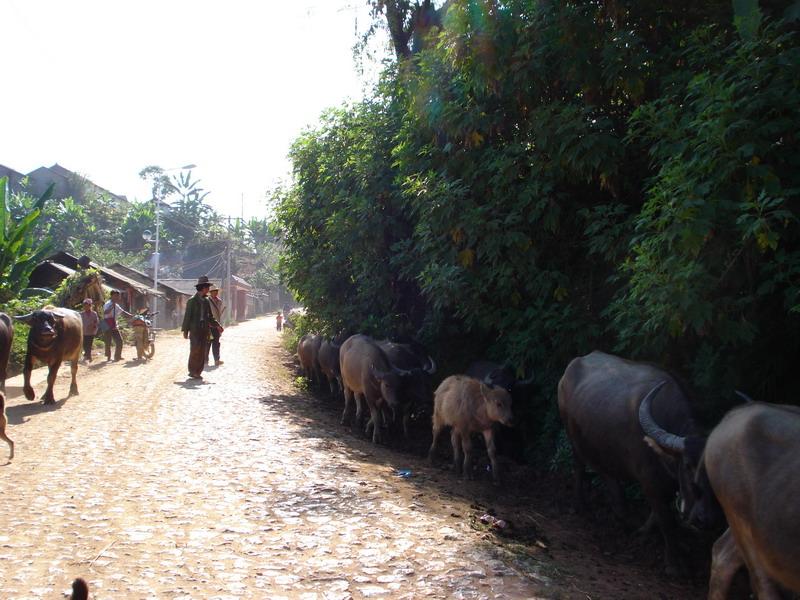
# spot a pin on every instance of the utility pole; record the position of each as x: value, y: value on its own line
x: 156, y: 258
x: 228, y: 280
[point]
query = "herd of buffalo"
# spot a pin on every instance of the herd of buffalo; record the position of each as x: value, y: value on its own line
x: 628, y: 421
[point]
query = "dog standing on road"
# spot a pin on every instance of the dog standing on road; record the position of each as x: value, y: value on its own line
x: 3, y: 423
x: 80, y: 590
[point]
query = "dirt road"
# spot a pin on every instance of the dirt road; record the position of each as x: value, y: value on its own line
x: 153, y: 487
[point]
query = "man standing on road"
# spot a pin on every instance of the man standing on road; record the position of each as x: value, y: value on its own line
x: 197, y: 323
x: 110, y: 311
x: 217, y: 309
x: 90, y: 324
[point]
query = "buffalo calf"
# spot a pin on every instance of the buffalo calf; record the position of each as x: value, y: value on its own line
x: 468, y: 406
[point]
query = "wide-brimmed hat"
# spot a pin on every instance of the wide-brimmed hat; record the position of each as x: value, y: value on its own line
x: 87, y: 301
x: 213, y: 288
x: 202, y: 282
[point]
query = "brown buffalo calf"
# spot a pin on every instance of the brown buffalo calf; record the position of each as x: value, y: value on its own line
x: 468, y: 406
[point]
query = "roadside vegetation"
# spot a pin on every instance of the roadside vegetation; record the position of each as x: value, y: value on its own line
x: 529, y: 181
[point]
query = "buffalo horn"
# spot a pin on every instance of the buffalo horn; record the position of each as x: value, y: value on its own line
x: 25, y: 318
x: 430, y: 368
x: 663, y: 438
x: 488, y: 381
x: 402, y: 372
x: 743, y: 396
x: 527, y: 381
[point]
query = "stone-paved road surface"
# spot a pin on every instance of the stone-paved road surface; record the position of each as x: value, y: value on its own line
x: 150, y: 486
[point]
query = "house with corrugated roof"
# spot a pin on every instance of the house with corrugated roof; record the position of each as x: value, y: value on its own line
x: 57, y: 267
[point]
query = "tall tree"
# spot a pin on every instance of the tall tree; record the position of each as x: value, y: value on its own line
x: 408, y: 22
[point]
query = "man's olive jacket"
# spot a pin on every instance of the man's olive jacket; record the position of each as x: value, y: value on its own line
x: 198, y: 317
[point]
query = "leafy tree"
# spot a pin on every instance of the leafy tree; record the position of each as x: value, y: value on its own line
x: 140, y: 218
x: 187, y: 218
x: 714, y: 274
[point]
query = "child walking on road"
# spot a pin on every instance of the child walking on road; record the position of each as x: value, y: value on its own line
x: 90, y: 324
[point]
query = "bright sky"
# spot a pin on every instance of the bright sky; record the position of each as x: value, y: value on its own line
x: 106, y: 88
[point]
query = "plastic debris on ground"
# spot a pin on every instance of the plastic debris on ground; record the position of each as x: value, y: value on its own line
x: 493, y: 521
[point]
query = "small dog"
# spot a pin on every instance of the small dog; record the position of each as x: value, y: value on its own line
x: 80, y: 590
x: 3, y: 423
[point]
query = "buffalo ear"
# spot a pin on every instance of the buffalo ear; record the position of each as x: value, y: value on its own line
x: 25, y: 318
x: 668, y: 458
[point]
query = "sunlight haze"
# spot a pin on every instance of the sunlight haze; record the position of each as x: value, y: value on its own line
x: 107, y: 88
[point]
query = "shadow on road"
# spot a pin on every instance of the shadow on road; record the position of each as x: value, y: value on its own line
x: 533, y: 502
x: 193, y: 383
x: 132, y: 363
x: 19, y: 413
x: 97, y: 365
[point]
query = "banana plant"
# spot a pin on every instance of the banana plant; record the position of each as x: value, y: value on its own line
x: 19, y: 250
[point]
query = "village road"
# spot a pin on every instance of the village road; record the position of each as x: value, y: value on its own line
x: 150, y: 486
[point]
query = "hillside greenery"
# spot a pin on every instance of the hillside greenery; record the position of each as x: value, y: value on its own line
x: 530, y: 181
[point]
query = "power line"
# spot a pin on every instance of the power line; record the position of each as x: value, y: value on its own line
x: 196, y: 263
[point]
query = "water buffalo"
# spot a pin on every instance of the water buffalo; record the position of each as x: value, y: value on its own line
x: 307, y: 352
x: 368, y: 377
x: 599, y: 399
x: 6, y: 337
x: 752, y: 462
x: 56, y: 335
x: 469, y: 406
x: 328, y: 361
x: 510, y: 442
x: 415, y: 391
x: 502, y: 375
